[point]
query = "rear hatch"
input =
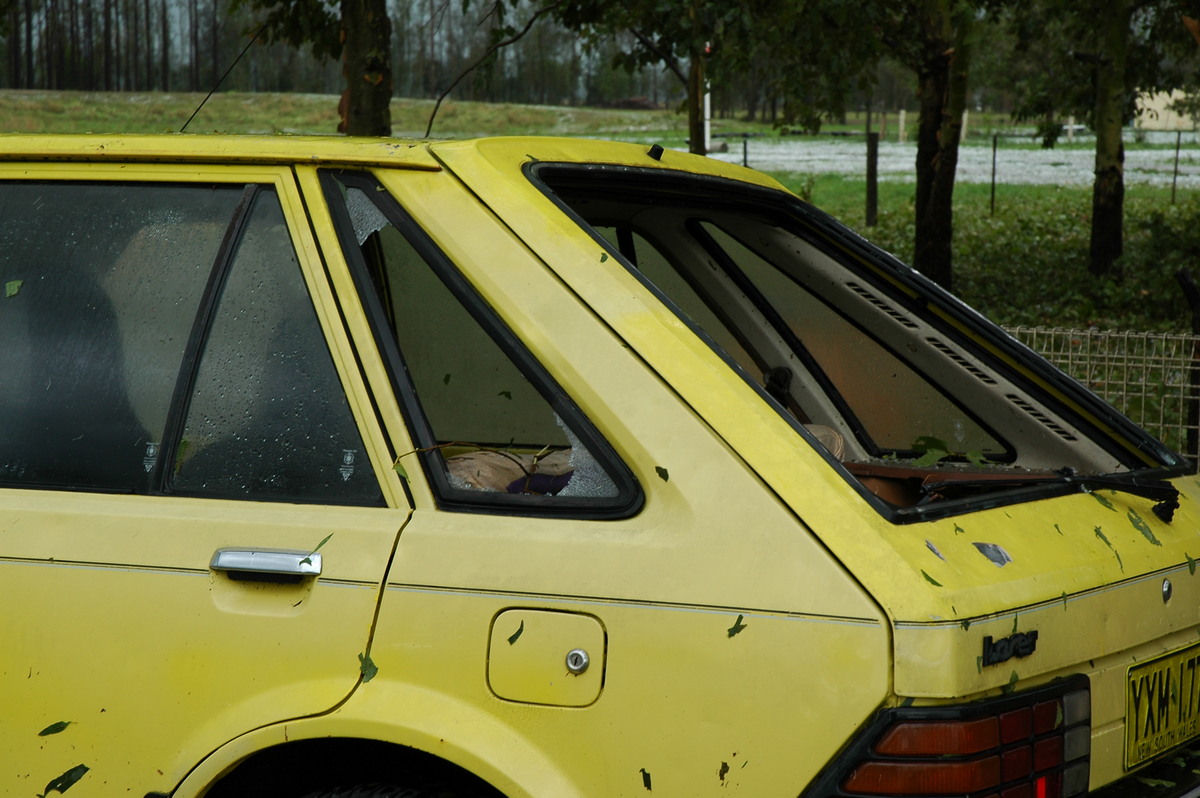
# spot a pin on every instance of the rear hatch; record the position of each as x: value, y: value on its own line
x: 1015, y: 528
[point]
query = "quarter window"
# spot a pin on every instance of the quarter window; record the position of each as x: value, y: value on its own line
x: 493, y: 428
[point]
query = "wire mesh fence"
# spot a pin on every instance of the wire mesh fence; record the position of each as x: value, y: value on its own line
x: 1152, y: 378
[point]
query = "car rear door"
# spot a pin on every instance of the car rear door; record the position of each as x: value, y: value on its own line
x: 196, y: 505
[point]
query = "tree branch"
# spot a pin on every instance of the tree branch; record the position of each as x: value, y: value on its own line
x: 670, y: 61
x: 488, y: 54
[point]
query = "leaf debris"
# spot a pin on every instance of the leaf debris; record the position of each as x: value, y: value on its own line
x: 66, y: 781
x: 54, y: 728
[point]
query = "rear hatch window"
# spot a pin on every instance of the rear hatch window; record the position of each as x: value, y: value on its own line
x: 927, y: 408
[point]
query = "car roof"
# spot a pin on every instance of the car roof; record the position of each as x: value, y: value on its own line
x: 350, y: 151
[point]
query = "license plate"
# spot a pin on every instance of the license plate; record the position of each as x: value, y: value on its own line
x: 1162, y: 704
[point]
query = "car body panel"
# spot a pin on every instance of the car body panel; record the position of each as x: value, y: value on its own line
x: 1054, y: 544
x: 125, y: 634
x: 745, y: 618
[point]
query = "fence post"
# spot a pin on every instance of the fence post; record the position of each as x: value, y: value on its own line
x: 872, y: 178
x: 995, y: 143
x: 1175, y: 176
x: 1192, y: 294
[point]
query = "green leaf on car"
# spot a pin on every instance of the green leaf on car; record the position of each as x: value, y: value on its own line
x: 12, y: 288
x: 66, y: 781
x: 926, y: 442
x: 737, y: 627
x: 1141, y: 526
x: 1100, y: 499
x: 54, y: 728
x: 931, y: 457
x: 308, y: 560
x: 662, y: 473
x: 366, y: 667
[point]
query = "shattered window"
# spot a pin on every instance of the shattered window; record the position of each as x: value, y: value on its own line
x: 867, y: 376
x: 268, y: 418
x: 99, y: 288
x: 493, y: 430
x: 924, y: 406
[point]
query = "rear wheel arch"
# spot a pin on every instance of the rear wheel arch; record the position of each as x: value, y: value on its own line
x: 336, y: 765
x: 384, y: 724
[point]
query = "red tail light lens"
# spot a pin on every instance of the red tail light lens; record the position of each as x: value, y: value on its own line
x: 1026, y: 745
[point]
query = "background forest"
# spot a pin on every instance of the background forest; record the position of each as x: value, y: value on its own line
x: 186, y: 45
x: 1053, y: 255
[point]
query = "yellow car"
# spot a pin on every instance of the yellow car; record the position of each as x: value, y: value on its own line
x: 542, y: 467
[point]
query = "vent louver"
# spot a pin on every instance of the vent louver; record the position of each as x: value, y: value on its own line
x: 1040, y: 416
x: 966, y: 365
x: 879, y: 304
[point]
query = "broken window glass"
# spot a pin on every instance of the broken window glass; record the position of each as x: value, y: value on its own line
x: 906, y: 392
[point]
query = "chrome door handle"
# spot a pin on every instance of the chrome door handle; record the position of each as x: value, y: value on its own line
x: 267, y: 562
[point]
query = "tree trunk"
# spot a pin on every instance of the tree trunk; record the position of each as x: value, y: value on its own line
x: 29, y: 68
x: 1108, y: 191
x: 367, y: 68
x: 697, y: 85
x: 942, y: 93
x: 16, y: 59
x: 165, y: 50
x: 194, y: 33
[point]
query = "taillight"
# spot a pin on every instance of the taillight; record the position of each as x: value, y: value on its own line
x: 1025, y: 745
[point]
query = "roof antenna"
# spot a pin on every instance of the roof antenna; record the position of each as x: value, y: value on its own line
x: 245, y: 49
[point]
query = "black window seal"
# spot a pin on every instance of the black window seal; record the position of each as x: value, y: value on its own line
x: 629, y: 499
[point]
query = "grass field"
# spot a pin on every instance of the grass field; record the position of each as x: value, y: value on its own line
x: 1027, y: 264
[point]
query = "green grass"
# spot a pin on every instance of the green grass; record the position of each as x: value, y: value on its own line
x: 235, y: 112
x: 1028, y: 263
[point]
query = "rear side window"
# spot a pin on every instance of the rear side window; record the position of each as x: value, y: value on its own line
x: 159, y: 338
x: 495, y: 432
x: 102, y: 284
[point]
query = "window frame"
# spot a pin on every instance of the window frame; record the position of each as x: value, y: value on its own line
x: 251, y: 179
